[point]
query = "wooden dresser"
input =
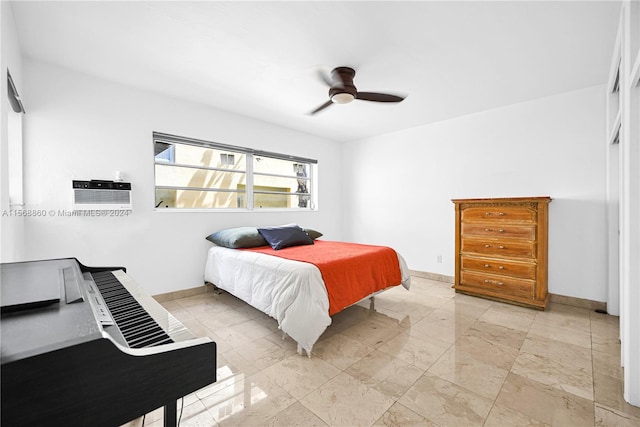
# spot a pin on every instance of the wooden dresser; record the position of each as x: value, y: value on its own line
x: 501, y: 249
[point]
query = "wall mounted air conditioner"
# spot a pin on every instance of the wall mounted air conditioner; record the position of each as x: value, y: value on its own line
x: 101, y: 195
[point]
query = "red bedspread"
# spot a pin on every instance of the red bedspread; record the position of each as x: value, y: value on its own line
x: 350, y: 271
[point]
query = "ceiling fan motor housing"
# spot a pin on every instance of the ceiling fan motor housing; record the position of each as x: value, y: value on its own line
x: 343, y: 84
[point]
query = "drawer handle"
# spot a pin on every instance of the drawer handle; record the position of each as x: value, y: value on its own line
x: 494, y: 213
x: 487, y: 266
x: 487, y: 246
x: 494, y: 282
x: 501, y: 247
x: 501, y: 267
x: 499, y: 231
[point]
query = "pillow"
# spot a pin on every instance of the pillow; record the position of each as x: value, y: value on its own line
x: 313, y: 233
x: 235, y: 238
x: 285, y: 236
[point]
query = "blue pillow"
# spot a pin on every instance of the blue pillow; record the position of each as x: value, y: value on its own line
x: 285, y: 236
x: 235, y: 238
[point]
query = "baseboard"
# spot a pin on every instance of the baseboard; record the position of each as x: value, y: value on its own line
x: 432, y: 276
x: 183, y: 293
x: 579, y: 302
x: 558, y: 299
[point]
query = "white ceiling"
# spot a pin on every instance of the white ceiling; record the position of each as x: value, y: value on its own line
x: 260, y: 59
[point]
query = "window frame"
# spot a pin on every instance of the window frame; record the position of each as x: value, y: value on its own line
x: 250, y: 155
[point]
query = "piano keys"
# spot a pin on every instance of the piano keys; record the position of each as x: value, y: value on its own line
x: 87, y: 346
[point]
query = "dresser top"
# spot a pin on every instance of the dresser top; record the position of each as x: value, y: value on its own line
x: 541, y: 199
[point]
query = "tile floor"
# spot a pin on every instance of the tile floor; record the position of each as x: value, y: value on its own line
x: 424, y: 357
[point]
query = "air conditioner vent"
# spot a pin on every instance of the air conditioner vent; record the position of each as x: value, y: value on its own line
x: 101, y: 195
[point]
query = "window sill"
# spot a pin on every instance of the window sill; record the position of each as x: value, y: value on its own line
x: 179, y: 210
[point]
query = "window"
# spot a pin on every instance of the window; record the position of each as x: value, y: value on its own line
x: 196, y: 174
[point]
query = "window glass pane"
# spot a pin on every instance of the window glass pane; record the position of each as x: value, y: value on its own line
x: 279, y: 175
x: 176, y: 176
x: 289, y: 185
x: 265, y: 201
x: 184, y: 154
x: 194, y: 199
x: 274, y: 166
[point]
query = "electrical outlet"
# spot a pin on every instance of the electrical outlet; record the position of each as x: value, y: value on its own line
x: 439, y: 259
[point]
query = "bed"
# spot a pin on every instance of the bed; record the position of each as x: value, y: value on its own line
x: 300, y: 281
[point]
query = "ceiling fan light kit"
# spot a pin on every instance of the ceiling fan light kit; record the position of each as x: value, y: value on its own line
x: 342, y: 98
x: 343, y: 91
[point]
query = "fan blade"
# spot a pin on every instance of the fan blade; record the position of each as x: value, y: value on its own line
x: 325, y: 78
x: 320, y: 108
x: 378, y: 97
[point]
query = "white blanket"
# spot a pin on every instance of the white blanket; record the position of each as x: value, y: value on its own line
x: 292, y: 292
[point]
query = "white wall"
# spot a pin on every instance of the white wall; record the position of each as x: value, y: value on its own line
x: 11, y: 227
x: 400, y: 185
x: 80, y: 127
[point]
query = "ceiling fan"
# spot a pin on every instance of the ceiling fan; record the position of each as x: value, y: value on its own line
x: 343, y: 91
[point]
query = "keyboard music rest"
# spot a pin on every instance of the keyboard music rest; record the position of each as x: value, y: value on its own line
x: 82, y: 376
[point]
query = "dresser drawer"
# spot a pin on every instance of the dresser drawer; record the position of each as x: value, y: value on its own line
x: 526, y: 232
x: 499, y: 213
x: 506, y: 248
x: 524, y: 270
x: 509, y: 285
